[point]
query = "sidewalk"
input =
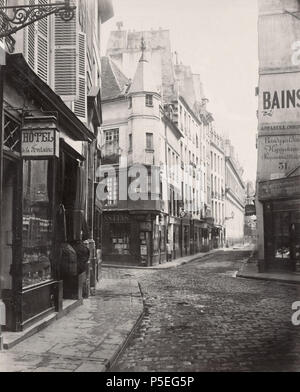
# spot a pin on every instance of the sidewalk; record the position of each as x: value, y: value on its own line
x: 250, y: 271
x: 86, y: 340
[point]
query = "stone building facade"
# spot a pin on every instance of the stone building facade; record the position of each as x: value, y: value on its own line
x: 278, y: 183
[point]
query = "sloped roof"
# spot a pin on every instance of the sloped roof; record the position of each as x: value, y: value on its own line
x: 114, y: 82
x: 143, y: 80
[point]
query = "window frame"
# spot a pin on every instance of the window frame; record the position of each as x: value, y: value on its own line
x: 149, y: 100
x: 150, y: 148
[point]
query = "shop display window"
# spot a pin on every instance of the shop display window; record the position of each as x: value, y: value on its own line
x: 282, y: 239
x: 37, y: 222
x: 120, y: 239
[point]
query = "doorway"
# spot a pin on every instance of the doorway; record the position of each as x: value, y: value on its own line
x: 8, y: 219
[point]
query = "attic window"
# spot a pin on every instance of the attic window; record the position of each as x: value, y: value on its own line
x: 149, y: 100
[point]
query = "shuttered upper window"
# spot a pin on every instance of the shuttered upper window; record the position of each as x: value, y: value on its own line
x: 2, y: 4
x: 36, y: 48
x: 66, y: 65
x: 80, y: 105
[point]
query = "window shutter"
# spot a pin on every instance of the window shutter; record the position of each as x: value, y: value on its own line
x: 42, y: 60
x: 30, y: 43
x: 80, y: 105
x: 2, y: 4
x: 36, y: 45
x: 66, y: 64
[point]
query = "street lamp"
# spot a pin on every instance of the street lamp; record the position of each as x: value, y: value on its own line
x: 15, y: 17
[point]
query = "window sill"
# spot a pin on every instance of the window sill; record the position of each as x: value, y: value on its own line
x: 150, y: 150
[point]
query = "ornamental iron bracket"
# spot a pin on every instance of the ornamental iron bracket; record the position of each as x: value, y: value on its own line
x: 15, y: 18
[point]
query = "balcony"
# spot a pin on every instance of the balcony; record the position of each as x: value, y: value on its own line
x: 110, y: 153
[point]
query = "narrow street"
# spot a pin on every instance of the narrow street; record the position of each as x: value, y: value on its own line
x: 199, y: 317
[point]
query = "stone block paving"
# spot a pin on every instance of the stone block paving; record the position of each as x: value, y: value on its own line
x: 86, y: 339
x: 199, y: 317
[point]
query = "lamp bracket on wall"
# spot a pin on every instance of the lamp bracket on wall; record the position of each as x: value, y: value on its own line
x: 15, y: 18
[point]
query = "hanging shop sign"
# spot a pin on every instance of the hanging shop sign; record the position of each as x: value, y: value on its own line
x: 250, y: 210
x: 40, y: 143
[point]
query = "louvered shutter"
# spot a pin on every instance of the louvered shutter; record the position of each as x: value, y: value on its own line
x: 36, y: 45
x: 66, y: 61
x: 42, y: 60
x: 80, y: 105
x: 30, y: 43
x: 2, y: 4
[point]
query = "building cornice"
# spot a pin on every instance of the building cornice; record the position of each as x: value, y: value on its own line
x: 145, y: 116
x: 229, y: 160
x: 177, y: 132
x: 235, y: 199
x: 192, y: 113
x: 217, y: 147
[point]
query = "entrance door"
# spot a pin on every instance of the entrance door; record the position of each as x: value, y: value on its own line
x: 9, y: 183
x: 282, y: 235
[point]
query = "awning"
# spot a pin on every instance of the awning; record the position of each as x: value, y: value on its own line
x: 20, y: 72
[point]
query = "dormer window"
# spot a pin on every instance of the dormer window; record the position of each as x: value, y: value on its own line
x: 149, y: 100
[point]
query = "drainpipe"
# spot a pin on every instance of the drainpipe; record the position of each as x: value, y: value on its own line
x: 2, y: 305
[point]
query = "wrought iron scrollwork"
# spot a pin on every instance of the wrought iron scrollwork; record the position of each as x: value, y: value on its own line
x: 15, y: 18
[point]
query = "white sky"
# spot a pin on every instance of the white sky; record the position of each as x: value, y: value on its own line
x: 218, y: 39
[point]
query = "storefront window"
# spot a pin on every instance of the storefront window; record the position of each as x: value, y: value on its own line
x: 120, y: 239
x: 37, y: 222
x: 282, y: 236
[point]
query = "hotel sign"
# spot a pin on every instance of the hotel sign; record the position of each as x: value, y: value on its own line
x: 40, y: 143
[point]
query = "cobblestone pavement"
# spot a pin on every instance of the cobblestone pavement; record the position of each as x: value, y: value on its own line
x: 200, y: 318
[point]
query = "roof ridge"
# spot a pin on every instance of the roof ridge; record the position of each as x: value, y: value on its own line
x: 114, y: 66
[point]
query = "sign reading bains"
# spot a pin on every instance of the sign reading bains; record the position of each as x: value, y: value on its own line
x: 40, y: 143
x: 279, y: 101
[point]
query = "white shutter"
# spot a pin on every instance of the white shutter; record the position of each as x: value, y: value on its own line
x: 80, y: 105
x: 42, y: 60
x: 30, y: 43
x: 66, y: 62
x: 2, y: 4
x: 36, y: 45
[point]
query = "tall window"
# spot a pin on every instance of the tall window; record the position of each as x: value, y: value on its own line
x: 149, y: 100
x: 130, y: 142
x: 112, y: 136
x: 149, y: 141
x: 130, y: 102
x: 112, y: 189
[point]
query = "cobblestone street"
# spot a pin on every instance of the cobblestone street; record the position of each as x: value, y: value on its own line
x: 199, y: 317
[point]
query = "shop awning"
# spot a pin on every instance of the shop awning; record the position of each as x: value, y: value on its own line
x: 20, y: 72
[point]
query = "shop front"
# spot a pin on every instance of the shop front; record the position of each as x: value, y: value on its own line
x: 43, y: 229
x: 197, y: 236
x: 281, y: 212
x: 186, y: 241
x: 133, y: 238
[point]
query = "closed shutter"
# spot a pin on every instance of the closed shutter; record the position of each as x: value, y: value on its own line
x: 36, y: 45
x: 42, y: 61
x: 30, y: 43
x: 80, y: 105
x: 66, y: 61
x: 2, y: 4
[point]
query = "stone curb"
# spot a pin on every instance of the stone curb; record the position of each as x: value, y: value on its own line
x: 174, y: 264
x: 242, y: 275
x: 267, y: 279
x: 114, y: 358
